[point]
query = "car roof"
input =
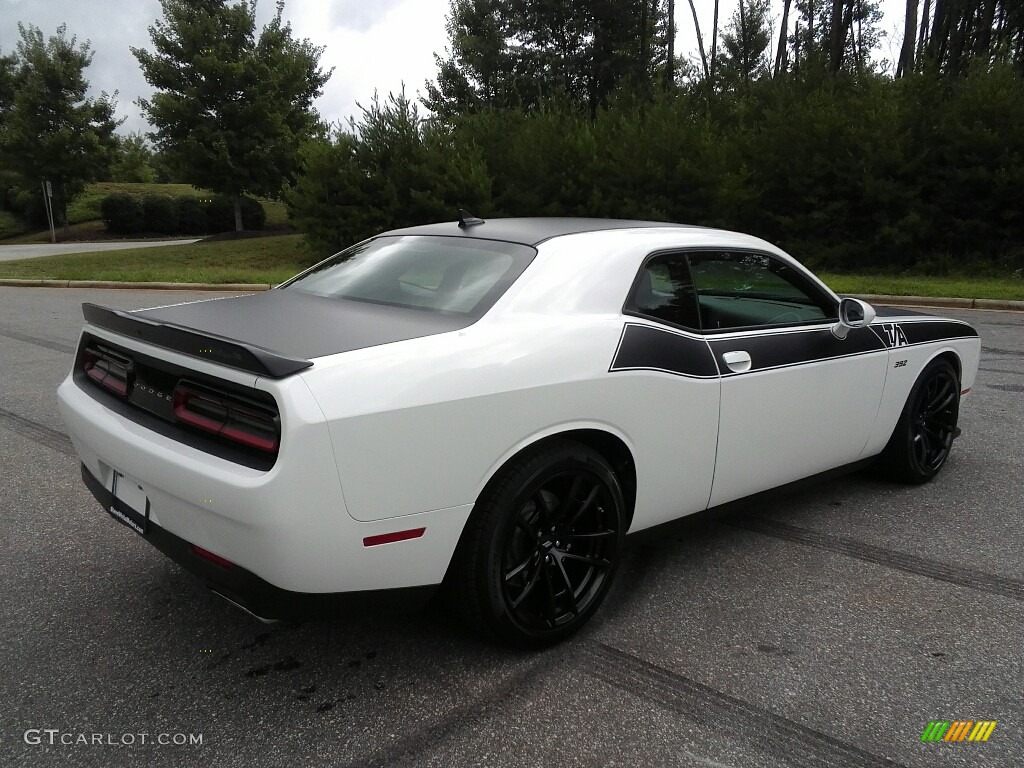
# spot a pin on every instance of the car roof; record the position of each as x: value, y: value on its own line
x: 530, y: 231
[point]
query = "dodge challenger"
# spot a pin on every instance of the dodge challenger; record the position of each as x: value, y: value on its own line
x: 491, y: 407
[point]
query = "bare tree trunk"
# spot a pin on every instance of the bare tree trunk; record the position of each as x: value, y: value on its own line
x: 714, y: 43
x: 744, y: 47
x: 906, y: 64
x: 238, y: 213
x: 936, y: 39
x: 670, y: 68
x: 796, y: 47
x: 784, y: 28
x: 988, y: 16
x: 700, y: 42
x: 836, y: 36
x: 922, y: 36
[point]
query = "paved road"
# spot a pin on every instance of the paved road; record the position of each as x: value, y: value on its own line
x: 820, y: 628
x: 12, y: 252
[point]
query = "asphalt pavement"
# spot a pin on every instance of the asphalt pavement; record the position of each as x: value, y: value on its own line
x: 825, y: 626
x: 12, y: 252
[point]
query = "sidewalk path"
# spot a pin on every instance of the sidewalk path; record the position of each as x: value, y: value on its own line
x: 11, y: 252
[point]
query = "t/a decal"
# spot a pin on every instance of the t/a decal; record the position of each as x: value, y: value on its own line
x: 894, y: 335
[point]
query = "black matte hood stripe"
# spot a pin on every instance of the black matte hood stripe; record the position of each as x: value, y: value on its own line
x: 644, y: 347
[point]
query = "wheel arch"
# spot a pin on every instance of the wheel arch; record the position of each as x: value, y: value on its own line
x: 611, y: 445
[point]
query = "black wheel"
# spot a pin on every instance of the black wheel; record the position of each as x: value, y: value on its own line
x: 923, y: 437
x: 541, y: 547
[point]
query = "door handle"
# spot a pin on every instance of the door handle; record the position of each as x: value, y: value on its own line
x: 738, y: 361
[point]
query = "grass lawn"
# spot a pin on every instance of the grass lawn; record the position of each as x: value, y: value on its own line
x: 1011, y: 288
x: 250, y: 260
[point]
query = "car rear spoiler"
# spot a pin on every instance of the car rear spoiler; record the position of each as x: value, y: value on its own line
x: 205, y: 346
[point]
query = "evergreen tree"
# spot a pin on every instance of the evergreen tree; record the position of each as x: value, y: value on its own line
x: 231, y: 107
x: 49, y: 129
x: 745, y: 44
x: 519, y: 53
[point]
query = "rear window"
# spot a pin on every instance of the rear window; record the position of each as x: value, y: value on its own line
x: 441, y: 274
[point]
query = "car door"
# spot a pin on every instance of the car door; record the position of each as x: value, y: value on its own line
x: 795, y: 399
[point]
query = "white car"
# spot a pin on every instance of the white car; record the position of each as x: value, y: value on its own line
x: 492, y: 406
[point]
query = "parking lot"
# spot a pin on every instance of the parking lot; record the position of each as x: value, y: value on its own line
x: 823, y: 626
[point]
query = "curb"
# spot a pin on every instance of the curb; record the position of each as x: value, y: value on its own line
x: 17, y: 283
x: 940, y: 301
x: 871, y: 298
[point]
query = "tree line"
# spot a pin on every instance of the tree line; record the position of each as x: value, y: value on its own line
x: 798, y: 134
x: 231, y: 105
x: 790, y: 128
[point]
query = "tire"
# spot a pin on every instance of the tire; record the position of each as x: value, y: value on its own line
x: 542, y: 545
x: 924, y: 434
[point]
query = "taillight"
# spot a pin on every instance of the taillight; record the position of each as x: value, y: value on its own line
x: 221, y: 415
x: 111, y: 371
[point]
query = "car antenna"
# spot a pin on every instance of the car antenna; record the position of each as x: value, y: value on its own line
x: 467, y: 219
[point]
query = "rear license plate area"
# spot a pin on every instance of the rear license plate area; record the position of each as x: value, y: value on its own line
x: 129, y: 504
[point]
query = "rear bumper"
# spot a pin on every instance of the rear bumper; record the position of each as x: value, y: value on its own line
x: 257, y: 596
x: 286, y: 529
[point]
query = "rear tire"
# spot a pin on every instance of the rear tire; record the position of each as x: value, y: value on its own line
x: 923, y: 437
x: 541, y: 547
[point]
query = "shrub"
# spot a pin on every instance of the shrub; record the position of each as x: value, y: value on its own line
x: 123, y: 213
x: 160, y: 214
x: 190, y: 214
x: 28, y: 205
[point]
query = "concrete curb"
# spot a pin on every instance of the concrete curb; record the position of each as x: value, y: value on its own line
x: 941, y: 301
x: 11, y: 282
x: 871, y: 298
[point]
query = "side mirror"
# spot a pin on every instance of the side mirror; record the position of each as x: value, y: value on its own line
x: 853, y: 313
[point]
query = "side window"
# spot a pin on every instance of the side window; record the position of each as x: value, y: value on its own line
x: 664, y: 291
x: 738, y: 290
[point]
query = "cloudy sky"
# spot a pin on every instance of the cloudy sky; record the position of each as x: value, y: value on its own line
x: 372, y: 45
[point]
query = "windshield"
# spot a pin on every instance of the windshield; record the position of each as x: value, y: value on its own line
x: 442, y: 274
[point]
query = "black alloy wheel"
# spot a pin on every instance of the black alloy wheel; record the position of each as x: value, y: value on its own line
x: 559, y: 549
x: 934, y: 420
x: 923, y: 438
x: 541, y: 548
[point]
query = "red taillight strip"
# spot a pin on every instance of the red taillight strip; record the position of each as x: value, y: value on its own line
x: 388, y: 538
x: 183, y: 395
x: 213, y: 558
x: 106, y: 377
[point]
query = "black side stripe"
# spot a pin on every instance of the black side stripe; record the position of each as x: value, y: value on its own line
x: 782, y: 350
x: 643, y: 347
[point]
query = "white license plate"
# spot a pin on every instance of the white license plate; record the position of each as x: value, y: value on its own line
x: 129, y: 504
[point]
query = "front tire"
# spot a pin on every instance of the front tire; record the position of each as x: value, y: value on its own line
x: 924, y: 435
x: 542, y: 546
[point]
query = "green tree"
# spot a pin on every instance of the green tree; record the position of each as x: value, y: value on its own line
x: 49, y: 129
x: 837, y: 35
x: 390, y: 169
x: 133, y: 159
x: 231, y: 107
x: 746, y: 40
x: 521, y: 53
